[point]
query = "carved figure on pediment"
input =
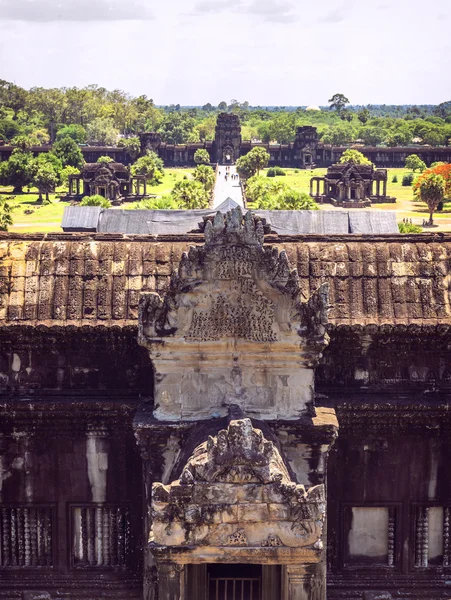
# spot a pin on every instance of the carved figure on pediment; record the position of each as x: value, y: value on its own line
x: 239, y: 453
x: 260, y: 294
x: 236, y: 490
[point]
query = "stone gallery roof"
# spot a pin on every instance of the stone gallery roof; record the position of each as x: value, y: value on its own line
x: 83, y: 279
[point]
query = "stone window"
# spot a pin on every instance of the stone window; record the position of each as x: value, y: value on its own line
x: 369, y: 535
x: 26, y: 535
x: 432, y: 543
x: 100, y: 535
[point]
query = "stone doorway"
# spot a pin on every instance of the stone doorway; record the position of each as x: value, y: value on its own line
x: 234, y: 582
x: 228, y: 155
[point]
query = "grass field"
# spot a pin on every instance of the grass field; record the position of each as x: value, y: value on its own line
x: 29, y: 216
x: 405, y: 206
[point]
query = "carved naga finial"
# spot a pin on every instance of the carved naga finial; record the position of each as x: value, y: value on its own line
x: 233, y: 228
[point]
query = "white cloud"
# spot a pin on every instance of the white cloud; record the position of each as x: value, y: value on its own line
x: 275, y: 11
x: 73, y: 10
x: 214, y: 6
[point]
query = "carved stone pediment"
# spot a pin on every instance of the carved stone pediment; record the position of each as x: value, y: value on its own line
x: 235, y: 490
x: 238, y: 454
x: 235, y: 319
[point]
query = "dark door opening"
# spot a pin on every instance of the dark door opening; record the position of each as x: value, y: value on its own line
x: 234, y: 582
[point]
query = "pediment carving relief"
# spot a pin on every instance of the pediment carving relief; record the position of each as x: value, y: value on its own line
x: 236, y: 490
x: 233, y: 327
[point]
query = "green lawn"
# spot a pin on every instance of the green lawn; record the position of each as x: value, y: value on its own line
x: 300, y: 180
x: 29, y: 216
x: 171, y: 176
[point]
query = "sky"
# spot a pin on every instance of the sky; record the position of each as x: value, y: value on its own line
x: 266, y: 52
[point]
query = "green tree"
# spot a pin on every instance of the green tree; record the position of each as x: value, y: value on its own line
x: 338, y: 102
x: 206, y: 129
x: 291, y: 199
x: 132, y: 147
x: 65, y: 174
x: 18, y: 170
x: 49, y: 158
x: 363, y: 115
x: 190, y: 194
x: 409, y: 228
x: 163, y: 203
x: 74, y: 131
x: 95, y: 200
x: 6, y: 214
x: 371, y: 136
x: 177, y: 128
x: 346, y: 115
x: 202, y: 157
x: 282, y: 128
x: 24, y: 142
x: 337, y: 135
x: 244, y: 168
x: 105, y: 159
x: 102, y: 132
x: 222, y: 106
x: 268, y: 194
x: 414, y: 163
x: 206, y: 176
x: 13, y: 97
x: 151, y: 166
x: 354, y: 156
x: 432, y: 192
x: 259, y: 158
x: 45, y: 179
x: 262, y: 191
x: 398, y: 136
x: 52, y: 104
x: 68, y: 151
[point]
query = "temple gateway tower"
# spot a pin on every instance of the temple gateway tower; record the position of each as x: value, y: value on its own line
x: 237, y: 505
x: 227, y: 143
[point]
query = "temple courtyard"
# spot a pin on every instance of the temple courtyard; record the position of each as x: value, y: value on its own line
x: 30, y: 216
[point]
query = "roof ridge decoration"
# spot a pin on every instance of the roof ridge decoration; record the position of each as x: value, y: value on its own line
x: 239, y: 302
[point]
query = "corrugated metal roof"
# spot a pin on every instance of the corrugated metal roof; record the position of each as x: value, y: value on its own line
x: 367, y: 221
x: 155, y: 222
x: 173, y: 222
x: 81, y: 218
x: 292, y: 222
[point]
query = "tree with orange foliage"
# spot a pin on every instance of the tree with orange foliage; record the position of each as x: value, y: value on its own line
x: 443, y: 169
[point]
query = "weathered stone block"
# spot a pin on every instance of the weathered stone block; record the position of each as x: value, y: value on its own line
x: 279, y: 512
x: 36, y: 596
x: 377, y: 596
x: 216, y: 494
x: 253, y: 512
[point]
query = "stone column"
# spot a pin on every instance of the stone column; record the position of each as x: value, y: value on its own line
x: 385, y: 188
x: 145, y: 187
x: 311, y: 187
x: 302, y: 583
x: 170, y: 581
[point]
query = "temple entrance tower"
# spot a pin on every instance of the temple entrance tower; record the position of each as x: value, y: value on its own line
x: 227, y: 143
x: 305, y: 145
x: 235, y: 451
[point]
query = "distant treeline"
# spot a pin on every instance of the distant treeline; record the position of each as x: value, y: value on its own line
x: 95, y: 115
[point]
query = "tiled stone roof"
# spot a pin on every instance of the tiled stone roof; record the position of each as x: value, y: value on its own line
x: 83, y: 279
